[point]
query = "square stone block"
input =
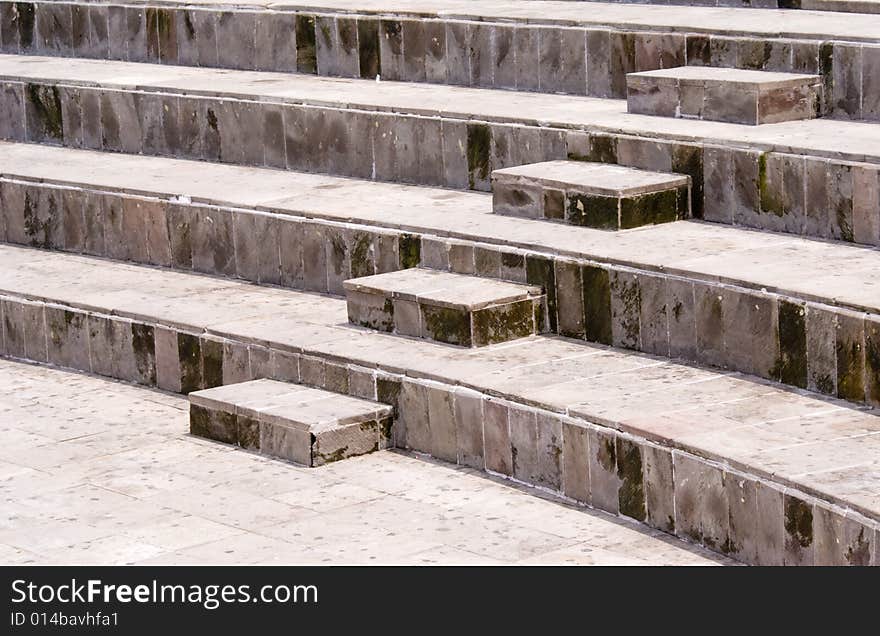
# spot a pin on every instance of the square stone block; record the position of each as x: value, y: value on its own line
x: 597, y: 195
x: 291, y: 421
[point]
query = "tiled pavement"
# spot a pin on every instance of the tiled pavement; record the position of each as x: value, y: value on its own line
x: 100, y: 472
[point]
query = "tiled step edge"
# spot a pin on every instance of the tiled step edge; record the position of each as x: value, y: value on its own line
x: 801, y: 342
x: 725, y: 508
x: 824, y: 197
x: 437, y: 49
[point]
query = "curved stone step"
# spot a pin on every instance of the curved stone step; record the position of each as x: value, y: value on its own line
x: 816, y: 177
x: 528, y: 46
x: 789, y: 309
x: 305, y: 425
x: 742, y: 466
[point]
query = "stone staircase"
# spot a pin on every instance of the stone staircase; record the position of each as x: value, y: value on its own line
x: 188, y: 191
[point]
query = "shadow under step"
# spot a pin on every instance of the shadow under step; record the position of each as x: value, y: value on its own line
x: 452, y: 308
x: 301, y: 424
x: 724, y: 94
x: 597, y: 195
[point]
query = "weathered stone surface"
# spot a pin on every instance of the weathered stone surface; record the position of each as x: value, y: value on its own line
x: 446, y: 307
x: 308, y: 426
x: 591, y: 194
x: 720, y: 94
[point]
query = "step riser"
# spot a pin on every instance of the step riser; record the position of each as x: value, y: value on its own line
x: 804, y: 195
x: 826, y: 349
x: 751, y: 519
x: 595, y: 60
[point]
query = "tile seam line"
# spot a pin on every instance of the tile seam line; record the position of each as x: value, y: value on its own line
x: 492, y: 20
x: 452, y: 116
x: 675, y: 273
x: 672, y: 445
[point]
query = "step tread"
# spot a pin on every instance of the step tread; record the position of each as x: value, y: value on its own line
x: 834, y: 273
x: 728, y: 417
x: 731, y: 20
x: 439, y: 288
x: 847, y: 140
x: 595, y: 178
x: 298, y: 406
x: 763, y: 80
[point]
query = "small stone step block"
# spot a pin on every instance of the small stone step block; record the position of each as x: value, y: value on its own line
x: 597, y: 195
x: 724, y: 94
x: 301, y: 424
x: 452, y: 308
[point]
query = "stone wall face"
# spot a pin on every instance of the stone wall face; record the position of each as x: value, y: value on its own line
x: 524, y: 57
x: 828, y: 349
x: 807, y: 195
x: 676, y: 491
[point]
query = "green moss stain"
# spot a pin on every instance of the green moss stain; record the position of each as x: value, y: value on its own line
x: 603, y: 148
x: 337, y: 455
x: 190, y: 357
x: 606, y: 454
x: 629, y: 296
x: 452, y: 326
x: 791, y: 365
x: 689, y: 160
x: 409, y: 249
x: 152, y: 33
x: 648, y: 209
x: 593, y: 211
x: 850, y: 368
x: 25, y: 11
x: 143, y: 344
x: 347, y: 30
x: 631, y: 496
x: 362, y: 255
x: 539, y: 271
x: 699, y: 52
x: 188, y: 25
x: 248, y: 432
x: 306, y: 56
x: 199, y: 421
x: 46, y: 106
x: 479, y: 145
x: 859, y: 551
x: 872, y: 362
x: 339, y: 252
x: 512, y: 260
x: 392, y: 31
x: 212, y: 363
x: 385, y: 429
x: 326, y: 34
x: 826, y: 69
x: 771, y: 199
x: 368, y: 48
x: 798, y: 522
x: 597, y: 304
x: 507, y: 322
x: 40, y: 220
x: 554, y: 204
x: 388, y: 391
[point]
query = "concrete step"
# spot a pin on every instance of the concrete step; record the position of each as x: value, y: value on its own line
x: 290, y: 421
x: 793, y: 310
x: 719, y: 94
x: 526, y: 45
x: 445, y: 307
x: 597, y: 195
x: 818, y: 177
x: 746, y: 467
